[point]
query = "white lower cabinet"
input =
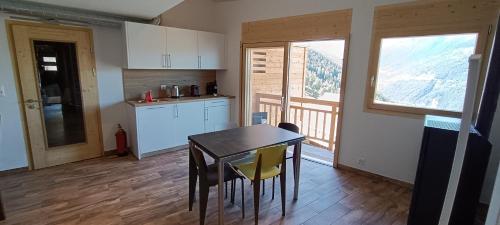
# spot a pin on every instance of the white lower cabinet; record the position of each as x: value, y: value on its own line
x: 189, y: 121
x: 160, y: 127
x: 217, y: 115
x: 155, y: 128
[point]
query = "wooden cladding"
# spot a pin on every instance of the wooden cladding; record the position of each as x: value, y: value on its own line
x: 425, y: 16
x: 318, y: 26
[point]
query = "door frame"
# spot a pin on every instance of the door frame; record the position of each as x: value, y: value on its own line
x: 13, y: 54
x: 286, y: 45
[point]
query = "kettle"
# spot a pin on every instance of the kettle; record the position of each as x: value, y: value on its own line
x: 175, y: 92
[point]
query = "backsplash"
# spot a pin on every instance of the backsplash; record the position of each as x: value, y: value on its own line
x: 136, y: 82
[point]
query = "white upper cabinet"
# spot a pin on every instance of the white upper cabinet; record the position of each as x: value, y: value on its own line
x: 145, y: 46
x: 211, y: 50
x: 182, y: 48
x: 157, y: 47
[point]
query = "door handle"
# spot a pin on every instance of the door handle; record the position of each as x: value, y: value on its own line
x: 164, y: 59
x: 169, y: 62
x: 31, y: 101
x: 206, y: 114
x: 282, y: 103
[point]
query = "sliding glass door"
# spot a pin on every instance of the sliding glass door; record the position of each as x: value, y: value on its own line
x: 299, y: 83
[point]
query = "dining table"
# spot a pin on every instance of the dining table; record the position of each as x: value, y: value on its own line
x: 233, y: 144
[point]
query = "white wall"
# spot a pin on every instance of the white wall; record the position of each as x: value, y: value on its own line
x: 192, y: 14
x: 108, y: 55
x: 12, y: 145
x: 389, y: 144
x: 107, y: 42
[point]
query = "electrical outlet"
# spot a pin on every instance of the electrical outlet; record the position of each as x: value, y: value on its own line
x: 2, y: 91
x: 361, y: 162
x: 163, y: 87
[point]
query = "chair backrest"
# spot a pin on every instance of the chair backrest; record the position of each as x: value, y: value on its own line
x: 270, y: 156
x: 289, y: 126
x: 200, y: 162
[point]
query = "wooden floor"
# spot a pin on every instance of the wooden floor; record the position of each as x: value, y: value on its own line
x: 154, y: 191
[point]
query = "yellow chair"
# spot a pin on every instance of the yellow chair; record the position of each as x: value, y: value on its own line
x: 270, y: 162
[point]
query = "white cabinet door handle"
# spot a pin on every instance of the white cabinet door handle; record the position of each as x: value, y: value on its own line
x: 164, y: 60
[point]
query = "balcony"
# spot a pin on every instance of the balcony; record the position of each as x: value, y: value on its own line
x: 316, y: 119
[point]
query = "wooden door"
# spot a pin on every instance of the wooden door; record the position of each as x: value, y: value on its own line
x: 59, y: 92
x: 146, y: 46
x: 182, y: 49
x: 211, y: 50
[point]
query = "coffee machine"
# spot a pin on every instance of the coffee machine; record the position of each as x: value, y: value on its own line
x: 212, y: 88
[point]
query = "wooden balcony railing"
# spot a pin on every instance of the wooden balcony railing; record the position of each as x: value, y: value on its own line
x: 317, y: 119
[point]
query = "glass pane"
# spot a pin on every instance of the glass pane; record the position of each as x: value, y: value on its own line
x: 424, y: 72
x: 315, y: 78
x: 60, y: 92
x: 265, y: 67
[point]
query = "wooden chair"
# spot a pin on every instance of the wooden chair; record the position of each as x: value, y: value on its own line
x: 208, y: 176
x: 270, y: 163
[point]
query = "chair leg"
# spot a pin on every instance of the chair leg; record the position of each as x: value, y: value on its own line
x: 274, y: 181
x: 203, y: 203
x: 283, y: 192
x: 243, y: 197
x: 256, y: 200
x: 233, y: 190
x: 263, y: 187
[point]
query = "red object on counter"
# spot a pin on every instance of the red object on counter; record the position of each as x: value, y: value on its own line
x: 121, y: 141
x: 149, y: 96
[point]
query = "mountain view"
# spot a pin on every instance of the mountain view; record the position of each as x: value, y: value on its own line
x: 322, y: 75
x: 427, y: 72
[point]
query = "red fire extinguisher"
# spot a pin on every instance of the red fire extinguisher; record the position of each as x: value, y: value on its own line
x: 121, y: 141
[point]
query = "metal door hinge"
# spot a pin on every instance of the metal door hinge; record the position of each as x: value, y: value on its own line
x: 93, y: 72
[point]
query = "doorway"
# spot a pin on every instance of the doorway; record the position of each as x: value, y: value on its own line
x: 58, y: 88
x: 300, y: 83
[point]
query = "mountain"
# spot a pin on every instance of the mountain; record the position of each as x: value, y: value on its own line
x: 428, y: 72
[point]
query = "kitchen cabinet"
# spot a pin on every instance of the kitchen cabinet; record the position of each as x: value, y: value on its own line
x: 158, y: 47
x: 167, y: 126
x: 217, y: 115
x: 189, y: 120
x: 145, y: 46
x: 211, y: 50
x: 182, y: 48
x: 155, y: 128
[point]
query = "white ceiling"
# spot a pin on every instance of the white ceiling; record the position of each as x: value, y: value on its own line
x: 145, y: 9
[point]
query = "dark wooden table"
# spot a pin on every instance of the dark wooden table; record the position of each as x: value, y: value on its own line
x: 228, y: 145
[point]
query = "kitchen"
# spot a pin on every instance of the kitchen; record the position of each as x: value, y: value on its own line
x: 170, y: 86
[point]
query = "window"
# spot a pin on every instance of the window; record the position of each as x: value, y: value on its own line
x: 419, y: 56
x: 427, y: 72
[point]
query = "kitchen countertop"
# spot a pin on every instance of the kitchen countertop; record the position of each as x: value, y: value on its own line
x: 164, y: 101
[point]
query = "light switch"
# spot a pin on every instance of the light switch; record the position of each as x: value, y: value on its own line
x: 2, y: 91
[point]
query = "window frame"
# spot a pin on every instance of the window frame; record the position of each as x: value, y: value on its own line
x: 371, y: 83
